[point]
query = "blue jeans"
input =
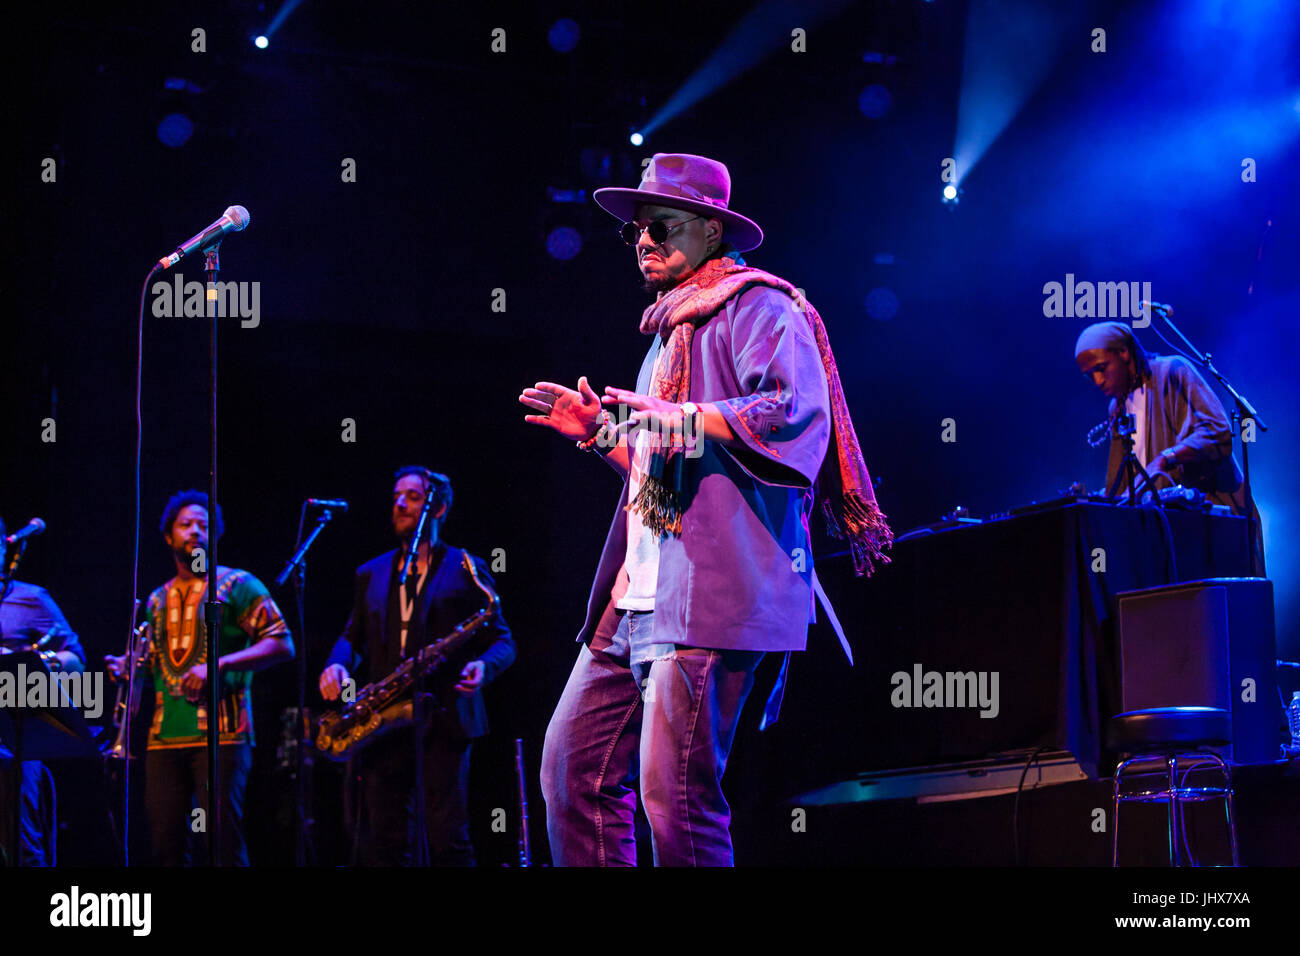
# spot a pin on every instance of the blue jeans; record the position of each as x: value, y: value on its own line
x: 36, y: 824
x: 667, y: 712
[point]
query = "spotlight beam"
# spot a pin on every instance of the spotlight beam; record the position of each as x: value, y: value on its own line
x: 1010, y: 47
x: 764, y: 30
x: 278, y: 20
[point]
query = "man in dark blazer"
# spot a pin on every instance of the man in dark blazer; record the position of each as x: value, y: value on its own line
x: 388, y: 625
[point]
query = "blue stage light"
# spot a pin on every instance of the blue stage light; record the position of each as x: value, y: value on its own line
x: 261, y: 42
x: 175, y: 130
x: 555, y: 194
x: 874, y: 101
x: 564, y: 242
x: 882, y: 304
x: 949, y: 193
x: 636, y: 139
x: 563, y: 35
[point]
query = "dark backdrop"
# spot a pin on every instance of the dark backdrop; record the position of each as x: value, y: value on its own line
x: 377, y: 296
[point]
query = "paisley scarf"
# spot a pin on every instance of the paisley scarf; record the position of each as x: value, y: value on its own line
x: 843, y: 484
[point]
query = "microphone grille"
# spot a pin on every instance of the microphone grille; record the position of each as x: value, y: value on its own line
x: 240, y: 217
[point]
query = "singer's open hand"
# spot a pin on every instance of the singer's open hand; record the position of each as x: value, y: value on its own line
x: 647, y: 412
x: 574, y: 414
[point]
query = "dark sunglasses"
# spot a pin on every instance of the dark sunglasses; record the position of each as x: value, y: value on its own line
x: 659, y: 230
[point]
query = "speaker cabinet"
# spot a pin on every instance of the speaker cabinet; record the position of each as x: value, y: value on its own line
x: 1206, y: 643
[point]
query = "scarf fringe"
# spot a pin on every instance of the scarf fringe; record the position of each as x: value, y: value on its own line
x: 861, y: 522
x: 660, y: 508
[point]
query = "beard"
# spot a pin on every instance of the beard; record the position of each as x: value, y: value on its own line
x: 658, y: 284
x: 654, y: 285
x: 430, y: 531
x: 184, y: 551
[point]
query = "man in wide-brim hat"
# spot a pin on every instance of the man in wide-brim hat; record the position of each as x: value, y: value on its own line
x: 707, y: 564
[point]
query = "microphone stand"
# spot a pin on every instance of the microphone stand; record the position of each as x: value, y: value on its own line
x: 409, y: 561
x: 297, y: 567
x: 1242, y: 411
x: 126, y: 736
x: 212, y: 607
x: 521, y: 783
x: 417, y: 699
x: 1124, y: 428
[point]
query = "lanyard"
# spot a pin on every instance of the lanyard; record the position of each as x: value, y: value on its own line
x: 408, y: 604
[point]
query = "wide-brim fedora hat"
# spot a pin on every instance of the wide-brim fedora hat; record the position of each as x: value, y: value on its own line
x: 690, y: 183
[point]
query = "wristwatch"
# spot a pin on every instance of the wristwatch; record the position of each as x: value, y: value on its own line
x: 692, y: 435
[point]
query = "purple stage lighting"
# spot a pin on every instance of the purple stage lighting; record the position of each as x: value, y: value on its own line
x: 882, y: 304
x: 175, y: 130
x: 874, y: 101
x: 563, y: 243
x: 563, y: 35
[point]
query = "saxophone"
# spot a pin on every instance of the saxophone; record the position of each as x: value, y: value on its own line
x: 386, y: 705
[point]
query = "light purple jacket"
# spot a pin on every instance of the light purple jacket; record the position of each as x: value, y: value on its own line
x: 739, y: 577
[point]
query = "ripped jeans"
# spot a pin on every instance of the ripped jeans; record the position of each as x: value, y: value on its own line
x: 665, y: 712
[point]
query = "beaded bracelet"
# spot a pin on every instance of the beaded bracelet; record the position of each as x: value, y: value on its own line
x: 606, y: 421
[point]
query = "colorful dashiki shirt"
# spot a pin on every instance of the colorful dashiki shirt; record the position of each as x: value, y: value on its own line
x: 175, y: 612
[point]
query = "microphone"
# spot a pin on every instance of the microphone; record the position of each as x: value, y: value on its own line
x: 30, y: 530
x: 234, y: 219
x: 1158, y: 308
x: 336, y: 503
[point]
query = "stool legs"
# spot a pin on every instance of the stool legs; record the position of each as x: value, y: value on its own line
x: 1175, y: 795
x: 1232, y: 826
x: 1228, y: 810
x: 1174, y: 822
x: 1114, y: 818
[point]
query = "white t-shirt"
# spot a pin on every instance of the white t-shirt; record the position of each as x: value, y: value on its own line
x: 641, y: 563
x: 1136, y: 405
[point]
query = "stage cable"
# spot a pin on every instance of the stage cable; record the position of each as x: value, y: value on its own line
x: 135, y: 560
x: 1015, y: 813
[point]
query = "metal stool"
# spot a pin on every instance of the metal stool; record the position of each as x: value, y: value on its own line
x: 1168, y: 735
